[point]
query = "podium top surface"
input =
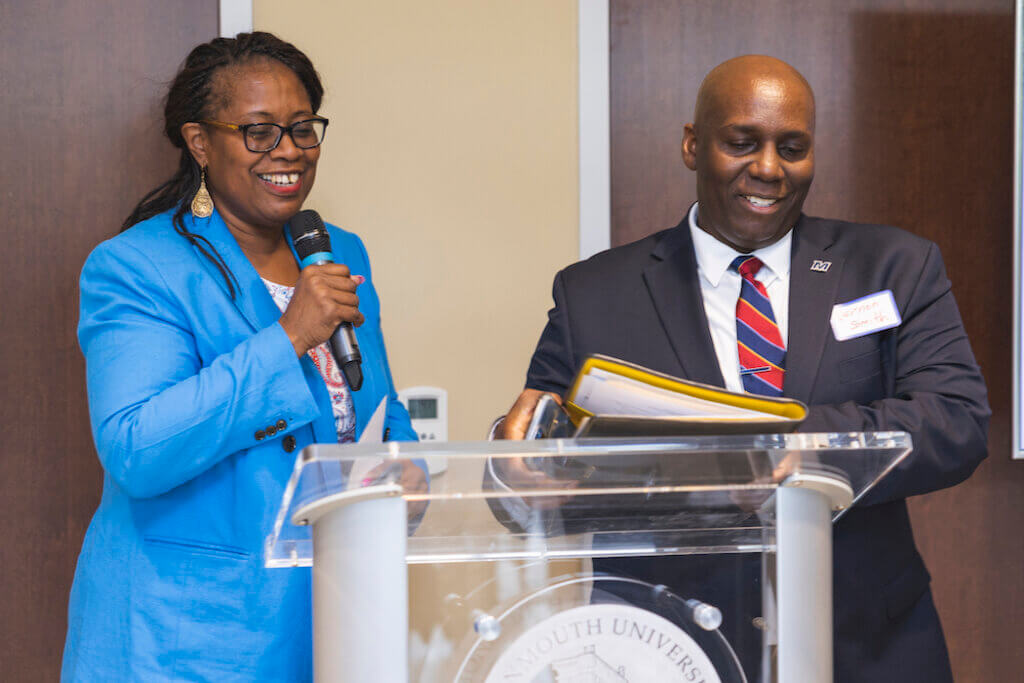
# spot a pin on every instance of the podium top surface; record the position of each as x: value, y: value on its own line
x: 563, y: 498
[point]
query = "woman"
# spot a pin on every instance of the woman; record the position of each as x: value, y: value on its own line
x: 201, y: 390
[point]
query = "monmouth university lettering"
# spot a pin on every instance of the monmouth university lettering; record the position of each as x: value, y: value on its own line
x: 621, y: 627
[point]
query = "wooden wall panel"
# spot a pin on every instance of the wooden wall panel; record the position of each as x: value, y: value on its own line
x: 914, y: 128
x: 81, y: 143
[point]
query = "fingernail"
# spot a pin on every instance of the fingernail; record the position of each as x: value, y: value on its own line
x: 359, y: 279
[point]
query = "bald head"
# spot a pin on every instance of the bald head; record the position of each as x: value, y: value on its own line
x: 752, y: 146
x: 738, y: 77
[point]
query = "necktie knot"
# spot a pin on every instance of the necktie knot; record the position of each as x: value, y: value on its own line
x: 746, y: 265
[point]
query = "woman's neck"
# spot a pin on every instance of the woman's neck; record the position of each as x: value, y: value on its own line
x: 268, y: 252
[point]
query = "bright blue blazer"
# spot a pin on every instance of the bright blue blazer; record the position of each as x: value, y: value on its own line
x: 170, y: 583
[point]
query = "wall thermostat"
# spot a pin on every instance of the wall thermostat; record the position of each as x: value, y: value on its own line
x: 428, y: 408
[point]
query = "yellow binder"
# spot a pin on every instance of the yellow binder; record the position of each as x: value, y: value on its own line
x: 709, y: 410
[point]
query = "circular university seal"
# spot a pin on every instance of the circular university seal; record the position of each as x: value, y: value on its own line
x: 603, y: 643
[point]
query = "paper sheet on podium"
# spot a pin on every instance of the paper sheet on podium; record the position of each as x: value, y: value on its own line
x: 373, y: 433
x: 336, y: 475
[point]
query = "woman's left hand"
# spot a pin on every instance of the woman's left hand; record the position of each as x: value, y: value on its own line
x: 406, y: 474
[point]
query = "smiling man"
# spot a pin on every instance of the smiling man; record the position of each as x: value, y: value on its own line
x: 741, y: 294
x: 752, y: 145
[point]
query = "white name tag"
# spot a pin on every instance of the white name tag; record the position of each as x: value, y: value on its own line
x: 868, y: 314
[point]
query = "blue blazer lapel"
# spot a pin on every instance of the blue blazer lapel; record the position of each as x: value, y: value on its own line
x: 673, y: 286
x: 812, y: 294
x: 251, y: 296
x: 368, y: 397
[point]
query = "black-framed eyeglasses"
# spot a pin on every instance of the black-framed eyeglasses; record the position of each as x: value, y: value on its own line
x: 263, y: 137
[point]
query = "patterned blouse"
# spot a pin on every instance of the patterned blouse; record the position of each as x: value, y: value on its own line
x: 341, y: 397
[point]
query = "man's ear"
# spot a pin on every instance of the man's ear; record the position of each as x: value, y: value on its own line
x: 690, y: 146
x: 196, y: 140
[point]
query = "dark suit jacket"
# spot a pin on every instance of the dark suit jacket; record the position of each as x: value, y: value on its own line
x: 642, y: 302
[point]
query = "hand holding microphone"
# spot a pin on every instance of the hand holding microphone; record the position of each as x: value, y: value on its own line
x: 324, y: 306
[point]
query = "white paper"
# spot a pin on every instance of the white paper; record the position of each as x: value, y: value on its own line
x: 374, y: 433
x: 605, y: 393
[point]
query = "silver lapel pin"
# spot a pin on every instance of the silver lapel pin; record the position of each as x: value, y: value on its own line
x: 818, y: 266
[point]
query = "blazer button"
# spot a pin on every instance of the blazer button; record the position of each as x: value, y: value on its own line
x: 271, y: 430
x: 288, y: 443
x: 260, y: 435
x: 281, y: 425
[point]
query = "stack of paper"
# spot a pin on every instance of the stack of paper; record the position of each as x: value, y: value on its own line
x: 603, y: 393
x: 627, y: 398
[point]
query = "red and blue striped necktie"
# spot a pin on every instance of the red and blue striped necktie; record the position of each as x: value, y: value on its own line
x: 762, y: 352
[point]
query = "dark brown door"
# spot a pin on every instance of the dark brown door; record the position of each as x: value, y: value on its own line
x: 81, y: 142
x: 914, y: 128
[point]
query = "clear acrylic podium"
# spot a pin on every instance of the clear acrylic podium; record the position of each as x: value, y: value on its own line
x: 743, y: 522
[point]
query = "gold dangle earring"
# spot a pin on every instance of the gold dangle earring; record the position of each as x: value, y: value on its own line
x: 202, y: 203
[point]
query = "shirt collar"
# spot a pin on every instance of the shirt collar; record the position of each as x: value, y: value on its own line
x: 714, y: 257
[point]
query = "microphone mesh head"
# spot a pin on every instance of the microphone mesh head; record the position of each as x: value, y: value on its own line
x: 308, y: 233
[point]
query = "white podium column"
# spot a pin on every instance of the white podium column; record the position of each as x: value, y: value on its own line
x: 803, y: 509
x: 360, y: 587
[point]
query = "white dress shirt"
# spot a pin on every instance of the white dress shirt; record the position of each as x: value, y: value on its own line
x: 720, y: 289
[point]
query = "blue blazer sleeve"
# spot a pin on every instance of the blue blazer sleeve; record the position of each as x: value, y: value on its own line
x: 159, y: 417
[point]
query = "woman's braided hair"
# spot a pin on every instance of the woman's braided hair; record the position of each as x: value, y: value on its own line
x: 191, y: 98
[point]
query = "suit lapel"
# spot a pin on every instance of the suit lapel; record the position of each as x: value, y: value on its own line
x: 251, y: 296
x: 673, y: 286
x: 811, y: 296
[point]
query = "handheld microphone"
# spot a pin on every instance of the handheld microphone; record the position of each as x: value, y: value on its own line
x: 313, y: 245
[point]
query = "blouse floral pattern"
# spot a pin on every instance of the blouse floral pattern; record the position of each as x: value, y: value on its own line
x: 341, y: 397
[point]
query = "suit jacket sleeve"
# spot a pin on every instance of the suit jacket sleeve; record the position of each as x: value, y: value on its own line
x: 938, y: 394
x: 159, y: 417
x: 554, y: 364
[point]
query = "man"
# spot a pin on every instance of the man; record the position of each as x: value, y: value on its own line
x: 672, y: 302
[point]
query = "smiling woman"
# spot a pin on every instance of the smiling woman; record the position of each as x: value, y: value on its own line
x: 207, y: 368
x: 258, y: 177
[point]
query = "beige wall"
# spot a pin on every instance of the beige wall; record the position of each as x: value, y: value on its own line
x: 452, y: 152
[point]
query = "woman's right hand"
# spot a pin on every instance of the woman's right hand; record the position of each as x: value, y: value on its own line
x: 324, y: 297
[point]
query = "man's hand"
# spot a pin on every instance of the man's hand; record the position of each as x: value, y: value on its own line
x: 518, y: 419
